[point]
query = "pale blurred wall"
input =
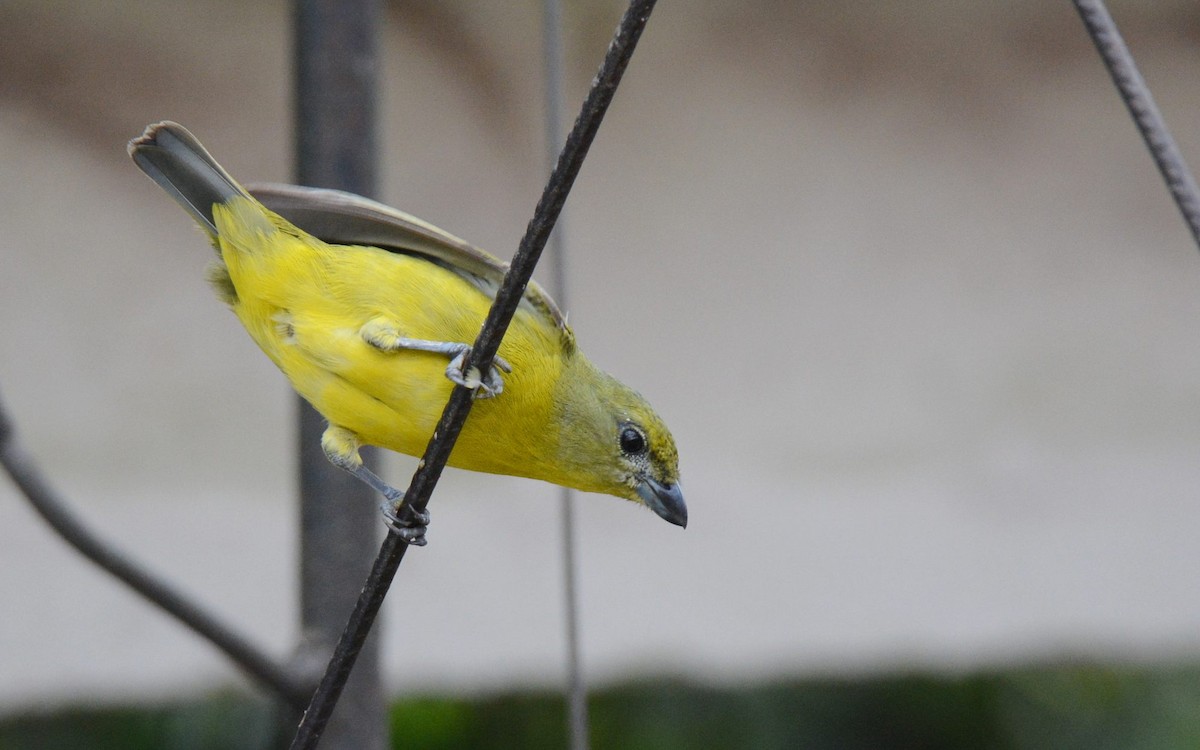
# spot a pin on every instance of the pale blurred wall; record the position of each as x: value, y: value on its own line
x: 900, y: 276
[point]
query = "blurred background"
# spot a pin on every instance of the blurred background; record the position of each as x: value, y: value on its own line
x: 901, y: 277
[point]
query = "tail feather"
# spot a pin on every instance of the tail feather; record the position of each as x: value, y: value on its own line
x: 173, y: 158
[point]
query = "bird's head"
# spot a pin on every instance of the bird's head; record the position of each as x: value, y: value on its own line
x: 614, y: 442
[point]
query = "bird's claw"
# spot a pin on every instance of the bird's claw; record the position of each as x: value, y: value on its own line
x: 409, y: 524
x: 488, y: 386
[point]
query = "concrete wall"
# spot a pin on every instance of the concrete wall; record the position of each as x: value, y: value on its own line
x: 902, y: 279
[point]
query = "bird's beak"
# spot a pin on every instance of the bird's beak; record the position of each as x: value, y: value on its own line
x: 664, y: 499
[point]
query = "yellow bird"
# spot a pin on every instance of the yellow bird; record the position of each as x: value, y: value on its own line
x: 363, y: 319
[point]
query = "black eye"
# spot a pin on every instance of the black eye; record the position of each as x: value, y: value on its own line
x: 632, y: 440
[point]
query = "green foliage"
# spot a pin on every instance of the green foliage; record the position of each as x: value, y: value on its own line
x: 222, y: 721
x: 1084, y: 707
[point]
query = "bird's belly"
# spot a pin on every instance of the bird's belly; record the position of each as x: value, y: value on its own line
x: 393, y: 399
x: 389, y: 399
x: 399, y: 418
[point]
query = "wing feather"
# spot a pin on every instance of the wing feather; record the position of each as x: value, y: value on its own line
x: 344, y: 218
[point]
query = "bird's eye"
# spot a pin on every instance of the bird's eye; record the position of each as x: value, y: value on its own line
x: 632, y: 440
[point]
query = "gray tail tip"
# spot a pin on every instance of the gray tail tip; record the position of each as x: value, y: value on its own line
x: 149, y: 136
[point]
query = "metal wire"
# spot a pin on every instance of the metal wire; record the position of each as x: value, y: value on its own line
x: 416, y: 498
x: 554, y: 66
x: 1136, y: 95
x: 50, y: 506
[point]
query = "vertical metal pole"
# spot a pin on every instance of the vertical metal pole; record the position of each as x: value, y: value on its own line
x: 577, y: 708
x: 336, y: 63
x: 458, y: 406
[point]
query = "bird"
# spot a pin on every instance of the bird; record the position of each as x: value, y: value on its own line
x: 367, y: 311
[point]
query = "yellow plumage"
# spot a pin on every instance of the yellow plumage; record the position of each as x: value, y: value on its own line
x: 349, y: 325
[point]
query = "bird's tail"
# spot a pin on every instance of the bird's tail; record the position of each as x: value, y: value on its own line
x: 173, y: 158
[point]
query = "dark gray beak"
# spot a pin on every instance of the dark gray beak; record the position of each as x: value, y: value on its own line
x: 664, y: 499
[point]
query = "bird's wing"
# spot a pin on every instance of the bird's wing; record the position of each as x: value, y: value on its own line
x: 344, y: 218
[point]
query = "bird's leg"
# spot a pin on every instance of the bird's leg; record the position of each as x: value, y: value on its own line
x: 341, y: 448
x: 385, y: 337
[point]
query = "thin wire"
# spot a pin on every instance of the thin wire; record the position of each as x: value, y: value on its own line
x: 416, y: 498
x: 1136, y: 95
x: 50, y: 506
x: 554, y: 64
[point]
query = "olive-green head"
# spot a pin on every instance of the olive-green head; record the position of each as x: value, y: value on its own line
x: 612, y: 441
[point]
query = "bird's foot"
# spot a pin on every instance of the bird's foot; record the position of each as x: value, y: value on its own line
x: 406, y: 522
x: 488, y: 386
